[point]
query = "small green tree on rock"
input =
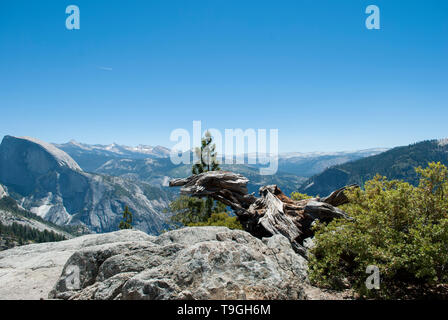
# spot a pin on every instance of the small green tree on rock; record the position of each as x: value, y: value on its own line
x: 126, y: 223
x: 207, y: 156
x: 191, y: 211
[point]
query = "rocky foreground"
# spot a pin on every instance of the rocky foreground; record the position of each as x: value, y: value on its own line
x: 189, y: 263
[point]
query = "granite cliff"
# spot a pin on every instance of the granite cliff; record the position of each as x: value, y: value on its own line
x: 50, y: 184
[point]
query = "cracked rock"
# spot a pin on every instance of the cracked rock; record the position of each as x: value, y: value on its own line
x: 189, y: 263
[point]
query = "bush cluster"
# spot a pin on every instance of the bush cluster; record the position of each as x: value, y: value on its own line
x: 400, y: 228
x: 219, y: 219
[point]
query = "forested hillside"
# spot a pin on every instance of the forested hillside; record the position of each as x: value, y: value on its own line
x: 397, y: 163
x: 18, y: 226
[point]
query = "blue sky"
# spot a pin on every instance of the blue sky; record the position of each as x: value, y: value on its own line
x: 136, y: 70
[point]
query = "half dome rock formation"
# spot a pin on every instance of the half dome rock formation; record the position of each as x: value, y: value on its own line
x: 50, y: 184
x: 188, y: 263
x: 62, y: 158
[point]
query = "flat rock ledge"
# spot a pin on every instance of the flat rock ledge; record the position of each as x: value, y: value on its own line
x: 30, y: 272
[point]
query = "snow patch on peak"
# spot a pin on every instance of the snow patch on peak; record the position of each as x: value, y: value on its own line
x: 79, y: 145
x: 443, y: 142
x: 161, y: 150
x: 61, y: 157
x: 114, y: 148
x: 140, y: 151
x: 145, y: 149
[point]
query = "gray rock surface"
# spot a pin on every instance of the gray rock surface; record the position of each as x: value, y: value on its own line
x: 50, y: 184
x: 30, y: 272
x: 309, y: 243
x: 189, y: 263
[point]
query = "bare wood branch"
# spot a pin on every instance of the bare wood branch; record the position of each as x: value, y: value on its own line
x: 337, y: 197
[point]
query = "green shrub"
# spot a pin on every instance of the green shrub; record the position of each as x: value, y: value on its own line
x: 401, y: 229
x: 299, y: 196
x: 190, y: 210
x: 219, y: 219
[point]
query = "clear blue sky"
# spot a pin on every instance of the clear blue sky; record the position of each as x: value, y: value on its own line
x: 136, y: 70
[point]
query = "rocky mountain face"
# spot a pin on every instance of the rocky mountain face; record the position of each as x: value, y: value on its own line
x: 189, y: 263
x: 48, y: 182
x: 396, y: 163
x: 19, y: 227
x: 11, y: 213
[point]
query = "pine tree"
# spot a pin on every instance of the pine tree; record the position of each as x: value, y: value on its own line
x: 206, y: 155
x: 189, y: 210
x: 126, y: 223
x: 207, y: 161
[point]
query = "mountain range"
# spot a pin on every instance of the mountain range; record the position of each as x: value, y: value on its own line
x: 89, y: 185
x: 92, y: 157
x: 396, y: 163
x: 138, y: 163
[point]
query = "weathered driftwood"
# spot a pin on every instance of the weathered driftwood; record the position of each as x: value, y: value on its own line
x: 337, y: 197
x: 270, y: 214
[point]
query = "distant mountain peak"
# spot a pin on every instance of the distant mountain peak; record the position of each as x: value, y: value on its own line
x: 76, y: 144
x: 115, y: 149
x: 443, y: 142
